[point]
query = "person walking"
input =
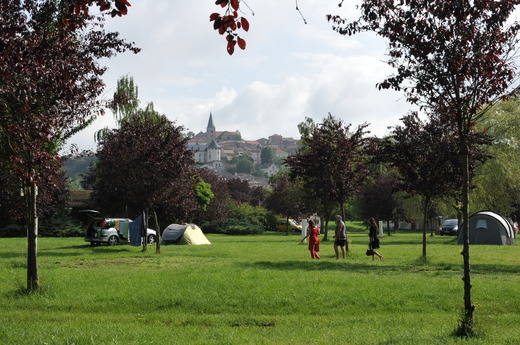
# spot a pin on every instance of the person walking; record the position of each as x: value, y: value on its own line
x: 314, y: 242
x: 340, y: 237
x: 373, y: 242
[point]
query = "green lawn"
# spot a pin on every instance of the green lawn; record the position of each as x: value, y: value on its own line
x: 257, y: 290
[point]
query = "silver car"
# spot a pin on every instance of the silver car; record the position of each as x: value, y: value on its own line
x: 450, y: 227
x: 113, y: 231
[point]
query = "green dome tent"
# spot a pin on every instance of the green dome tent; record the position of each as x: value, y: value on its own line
x: 486, y: 227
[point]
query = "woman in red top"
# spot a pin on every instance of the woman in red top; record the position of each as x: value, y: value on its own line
x: 314, y: 242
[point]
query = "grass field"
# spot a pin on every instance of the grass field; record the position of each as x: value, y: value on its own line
x: 257, y: 290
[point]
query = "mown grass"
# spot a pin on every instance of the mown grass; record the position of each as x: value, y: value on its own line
x: 257, y: 290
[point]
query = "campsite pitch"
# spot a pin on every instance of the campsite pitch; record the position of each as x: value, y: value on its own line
x: 257, y: 290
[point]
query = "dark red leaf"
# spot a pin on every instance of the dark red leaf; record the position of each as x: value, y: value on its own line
x: 231, y: 47
x: 245, y: 24
x: 214, y: 16
x: 241, y: 43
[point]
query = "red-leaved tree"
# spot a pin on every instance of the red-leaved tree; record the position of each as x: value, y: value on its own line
x: 141, y: 166
x: 331, y: 164
x: 50, y: 81
x: 454, y: 58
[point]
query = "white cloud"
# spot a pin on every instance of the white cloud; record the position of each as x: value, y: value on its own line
x: 288, y: 71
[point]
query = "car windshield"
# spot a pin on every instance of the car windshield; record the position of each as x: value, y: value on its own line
x: 450, y: 222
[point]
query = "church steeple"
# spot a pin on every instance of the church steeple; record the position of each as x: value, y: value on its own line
x: 210, y: 130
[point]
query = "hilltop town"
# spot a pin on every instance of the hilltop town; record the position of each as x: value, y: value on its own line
x: 225, y: 153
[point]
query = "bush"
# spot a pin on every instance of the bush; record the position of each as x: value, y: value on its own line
x: 13, y: 230
x: 245, y: 220
x: 61, y: 226
x: 233, y: 226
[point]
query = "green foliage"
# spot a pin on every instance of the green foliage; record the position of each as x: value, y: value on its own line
x: 58, y: 226
x: 76, y: 168
x: 61, y: 226
x: 266, y: 155
x: 243, y: 165
x: 232, y: 226
x: 13, y: 230
x: 497, y: 181
x: 203, y: 194
x: 244, y: 220
x: 253, y: 214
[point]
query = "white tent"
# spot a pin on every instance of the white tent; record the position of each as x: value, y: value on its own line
x: 184, y: 234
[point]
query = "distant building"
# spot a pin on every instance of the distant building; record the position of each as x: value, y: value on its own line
x: 204, y: 152
x: 213, y: 149
x: 270, y: 169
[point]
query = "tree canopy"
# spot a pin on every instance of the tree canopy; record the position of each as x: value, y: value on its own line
x: 453, y: 58
x: 50, y: 80
x: 331, y: 163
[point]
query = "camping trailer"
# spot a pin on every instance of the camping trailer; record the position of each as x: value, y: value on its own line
x: 486, y: 227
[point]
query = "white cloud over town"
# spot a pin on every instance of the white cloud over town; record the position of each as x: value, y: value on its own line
x: 289, y: 70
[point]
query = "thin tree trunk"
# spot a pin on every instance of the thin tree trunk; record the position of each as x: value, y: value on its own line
x: 144, y: 228
x: 157, y: 233
x: 344, y: 220
x: 325, y: 228
x: 31, y: 193
x: 425, y: 224
x: 467, y: 322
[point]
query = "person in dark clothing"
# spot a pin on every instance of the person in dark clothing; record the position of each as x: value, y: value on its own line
x: 373, y: 242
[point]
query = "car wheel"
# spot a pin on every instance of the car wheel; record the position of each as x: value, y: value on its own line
x: 112, y: 240
x: 151, y: 239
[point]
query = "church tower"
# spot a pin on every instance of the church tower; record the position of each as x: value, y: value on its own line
x: 210, y: 130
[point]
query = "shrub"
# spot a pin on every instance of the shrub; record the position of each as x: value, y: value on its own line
x: 61, y: 226
x: 13, y: 230
x: 233, y: 226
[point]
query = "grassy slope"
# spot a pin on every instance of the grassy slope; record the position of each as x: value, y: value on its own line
x: 256, y: 290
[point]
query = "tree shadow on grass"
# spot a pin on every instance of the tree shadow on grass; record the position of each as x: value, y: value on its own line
x: 56, y: 252
x: 370, y: 267
x: 295, y: 265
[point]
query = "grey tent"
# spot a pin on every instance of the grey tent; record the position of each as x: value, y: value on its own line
x: 184, y: 234
x: 486, y: 227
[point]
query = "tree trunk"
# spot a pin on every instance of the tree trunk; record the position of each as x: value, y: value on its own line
x: 467, y: 322
x: 157, y: 232
x: 144, y: 228
x: 325, y: 228
x: 425, y: 225
x: 344, y: 220
x: 31, y: 193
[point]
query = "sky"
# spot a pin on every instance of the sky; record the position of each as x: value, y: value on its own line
x: 289, y: 70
